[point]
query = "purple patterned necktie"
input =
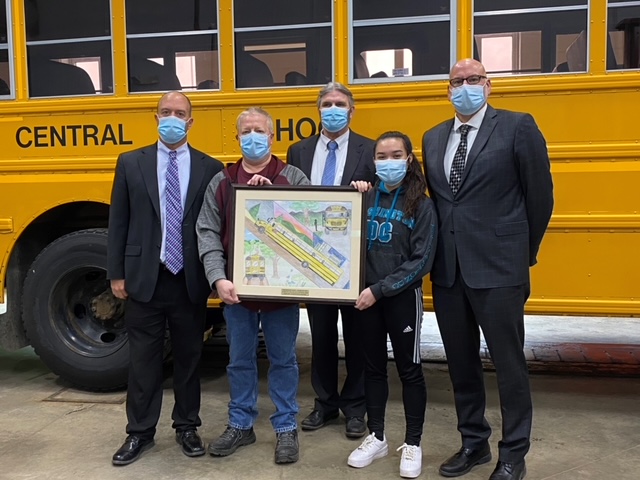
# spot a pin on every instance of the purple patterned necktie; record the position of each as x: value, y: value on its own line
x: 173, y: 218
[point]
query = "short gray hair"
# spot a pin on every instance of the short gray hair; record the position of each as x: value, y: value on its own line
x: 255, y: 111
x: 336, y: 87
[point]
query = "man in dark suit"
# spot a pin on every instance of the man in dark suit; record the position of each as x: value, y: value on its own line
x: 153, y: 263
x: 488, y: 173
x: 337, y: 156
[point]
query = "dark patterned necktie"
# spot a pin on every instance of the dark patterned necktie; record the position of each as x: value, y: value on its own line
x: 457, y: 167
x: 173, y: 217
x: 329, y: 173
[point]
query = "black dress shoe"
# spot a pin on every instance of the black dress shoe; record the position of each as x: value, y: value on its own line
x: 190, y: 442
x: 131, y: 450
x: 509, y: 471
x: 317, y: 419
x: 463, y: 461
x: 356, y: 427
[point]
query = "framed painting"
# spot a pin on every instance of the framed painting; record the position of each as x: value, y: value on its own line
x: 297, y: 243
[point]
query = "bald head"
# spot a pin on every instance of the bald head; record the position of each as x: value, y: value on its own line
x: 467, y: 64
x: 177, y: 98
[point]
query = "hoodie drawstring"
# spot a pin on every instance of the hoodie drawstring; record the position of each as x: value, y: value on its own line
x: 375, y: 209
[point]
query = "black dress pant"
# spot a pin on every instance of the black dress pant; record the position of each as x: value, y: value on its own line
x: 461, y: 311
x: 146, y: 325
x: 324, y: 360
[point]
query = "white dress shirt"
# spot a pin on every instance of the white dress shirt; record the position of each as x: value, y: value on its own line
x: 184, y: 172
x: 454, y: 138
x: 320, y: 158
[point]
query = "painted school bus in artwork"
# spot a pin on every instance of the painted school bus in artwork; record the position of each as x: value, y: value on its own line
x: 335, y: 218
x: 254, y: 268
x: 308, y: 256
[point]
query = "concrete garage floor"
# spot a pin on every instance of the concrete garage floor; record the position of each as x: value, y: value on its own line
x: 584, y: 427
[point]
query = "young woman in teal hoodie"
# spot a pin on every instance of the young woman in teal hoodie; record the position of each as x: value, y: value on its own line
x: 401, y: 236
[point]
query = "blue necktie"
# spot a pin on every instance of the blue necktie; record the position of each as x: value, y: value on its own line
x: 173, y: 217
x: 329, y: 174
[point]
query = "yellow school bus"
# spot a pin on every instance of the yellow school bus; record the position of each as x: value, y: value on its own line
x: 79, y: 82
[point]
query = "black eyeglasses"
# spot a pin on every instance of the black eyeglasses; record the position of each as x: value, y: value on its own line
x: 471, y: 80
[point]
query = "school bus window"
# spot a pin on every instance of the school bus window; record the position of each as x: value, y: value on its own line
x: 409, y: 40
x: 389, y: 63
x: 282, y: 43
x: 68, y: 47
x: 623, y: 25
x: 538, y: 36
x: 372, y: 9
x: 5, y: 75
x: 172, y: 45
x: 5, y: 71
x: 5, y: 67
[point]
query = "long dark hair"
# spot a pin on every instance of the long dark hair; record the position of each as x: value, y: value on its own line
x: 414, y: 181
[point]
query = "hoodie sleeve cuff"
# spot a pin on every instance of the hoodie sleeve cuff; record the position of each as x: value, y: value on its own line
x: 376, y: 289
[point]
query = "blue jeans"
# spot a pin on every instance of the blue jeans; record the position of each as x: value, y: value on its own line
x: 280, y: 328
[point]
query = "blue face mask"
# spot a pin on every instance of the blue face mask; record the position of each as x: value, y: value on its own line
x: 171, y: 129
x: 468, y: 99
x: 391, y: 172
x: 334, y: 119
x: 255, y: 146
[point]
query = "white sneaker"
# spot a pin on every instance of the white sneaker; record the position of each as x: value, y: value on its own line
x: 370, y: 449
x: 411, y: 461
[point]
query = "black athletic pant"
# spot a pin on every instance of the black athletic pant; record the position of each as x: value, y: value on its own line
x: 399, y: 316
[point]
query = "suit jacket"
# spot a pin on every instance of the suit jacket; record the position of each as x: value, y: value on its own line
x: 493, y: 227
x: 135, y: 231
x: 359, y: 164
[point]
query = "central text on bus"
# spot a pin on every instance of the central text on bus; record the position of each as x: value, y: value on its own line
x: 71, y: 136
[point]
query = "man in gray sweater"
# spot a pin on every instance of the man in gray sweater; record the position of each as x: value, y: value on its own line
x: 279, y: 321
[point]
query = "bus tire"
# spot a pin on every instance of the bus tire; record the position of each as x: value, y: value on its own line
x: 71, y: 318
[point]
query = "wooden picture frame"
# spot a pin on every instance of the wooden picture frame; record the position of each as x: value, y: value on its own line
x: 297, y: 243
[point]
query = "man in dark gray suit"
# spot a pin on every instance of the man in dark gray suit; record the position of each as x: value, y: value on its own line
x: 336, y: 156
x: 153, y: 263
x: 488, y: 173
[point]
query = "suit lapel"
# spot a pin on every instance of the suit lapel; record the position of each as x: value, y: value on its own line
x: 148, y: 163
x: 442, y: 149
x: 354, y: 152
x: 486, y: 128
x: 195, y: 178
x: 306, y: 156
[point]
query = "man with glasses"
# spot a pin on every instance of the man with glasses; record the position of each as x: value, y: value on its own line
x: 279, y: 320
x: 488, y: 174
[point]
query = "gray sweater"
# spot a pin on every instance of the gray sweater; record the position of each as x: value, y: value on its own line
x: 212, y: 226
